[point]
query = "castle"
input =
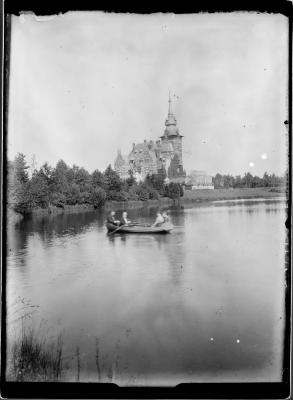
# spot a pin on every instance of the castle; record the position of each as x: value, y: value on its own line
x: 151, y: 157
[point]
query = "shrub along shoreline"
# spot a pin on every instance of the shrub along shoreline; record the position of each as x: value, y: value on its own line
x: 65, y: 189
x: 189, y: 197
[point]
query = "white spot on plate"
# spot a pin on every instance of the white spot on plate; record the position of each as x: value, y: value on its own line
x: 238, y: 341
x: 264, y: 156
x: 251, y: 164
x: 212, y: 339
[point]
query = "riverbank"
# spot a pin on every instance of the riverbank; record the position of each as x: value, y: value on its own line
x: 190, y: 196
x: 200, y: 195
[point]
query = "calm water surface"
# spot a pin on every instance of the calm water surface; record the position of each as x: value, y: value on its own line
x: 204, y: 303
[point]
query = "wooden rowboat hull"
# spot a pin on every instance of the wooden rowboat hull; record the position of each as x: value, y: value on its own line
x: 140, y: 229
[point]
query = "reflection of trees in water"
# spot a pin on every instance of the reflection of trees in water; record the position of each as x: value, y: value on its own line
x: 47, y: 227
x: 249, y: 209
x: 16, y: 238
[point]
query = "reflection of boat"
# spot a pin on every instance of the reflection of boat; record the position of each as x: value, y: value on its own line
x: 165, y: 228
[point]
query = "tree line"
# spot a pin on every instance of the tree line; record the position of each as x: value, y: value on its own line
x: 64, y: 185
x: 249, y: 181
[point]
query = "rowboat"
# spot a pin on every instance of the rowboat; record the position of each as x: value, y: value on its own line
x: 165, y: 228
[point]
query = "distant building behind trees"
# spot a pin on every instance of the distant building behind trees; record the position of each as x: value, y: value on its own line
x: 199, y: 180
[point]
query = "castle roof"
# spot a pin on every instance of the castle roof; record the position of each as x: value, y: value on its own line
x: 142, y: 148
x: 121, y: 159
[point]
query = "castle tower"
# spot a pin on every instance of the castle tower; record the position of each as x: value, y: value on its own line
x: 172, y: 137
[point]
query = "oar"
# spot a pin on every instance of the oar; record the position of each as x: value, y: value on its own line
x: 119, y: 227
x: 138, y: 224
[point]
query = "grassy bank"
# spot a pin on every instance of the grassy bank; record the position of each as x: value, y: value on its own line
x: 231, y: 194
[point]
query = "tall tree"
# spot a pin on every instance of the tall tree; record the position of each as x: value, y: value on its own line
x: 39, y: 189
x: 247, y: 180
x: 97, y: 179
x: 20, y: 168
x: 112, y: 180
x: 59, y: 177
x: 19, y: 192
x: 174, y: 191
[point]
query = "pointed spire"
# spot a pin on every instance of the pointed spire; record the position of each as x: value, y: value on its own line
x: 170, y: 105
x: 171, y: 120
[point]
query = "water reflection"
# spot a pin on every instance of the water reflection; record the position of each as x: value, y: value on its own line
x: 202, y: 303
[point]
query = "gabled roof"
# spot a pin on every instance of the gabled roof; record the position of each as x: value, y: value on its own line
x: 122, y: 159
x: 142, y: 147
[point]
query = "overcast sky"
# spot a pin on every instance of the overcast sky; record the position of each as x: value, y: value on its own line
x: 84, y: 84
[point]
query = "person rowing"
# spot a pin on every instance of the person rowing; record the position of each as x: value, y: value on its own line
x: 111, y: 219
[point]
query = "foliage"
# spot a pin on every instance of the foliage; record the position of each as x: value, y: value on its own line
x: 97, y: 179
x: 20, y: 169
x: 65, y: 185
x: 19, y: 193
x: 248, y: 181
x: 113, y: 183
x: 174, y: 190
x: 142, y: 191
x: 73, y: 196
x: 114, y: 195
x: 131, y: 180
x: 98, y: 197
x: 35, y: 359
x: 156, y: 181
x: 58, y: 199
x: 39, y: 189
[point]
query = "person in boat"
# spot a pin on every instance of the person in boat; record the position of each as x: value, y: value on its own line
x: 159, y: 220
x: 166, y: 216
x: 111, y: 219
x: 124, y: 219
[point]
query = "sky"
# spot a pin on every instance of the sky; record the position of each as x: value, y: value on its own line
x: 85, y: 84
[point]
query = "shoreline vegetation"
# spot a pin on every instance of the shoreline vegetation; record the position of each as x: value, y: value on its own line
x: 64, y: 189
x: 35, y: 358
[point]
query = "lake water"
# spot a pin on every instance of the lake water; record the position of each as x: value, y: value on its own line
x: 202, y: 304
